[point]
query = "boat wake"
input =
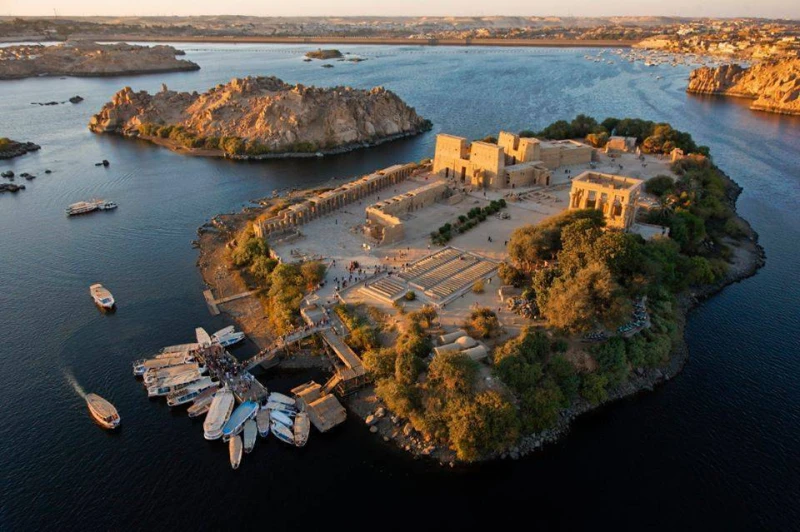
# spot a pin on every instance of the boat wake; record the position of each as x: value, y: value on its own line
x: 74, y: 383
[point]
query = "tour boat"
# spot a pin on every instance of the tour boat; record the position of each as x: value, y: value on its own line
x: 218, y: 414
x: 202, y: 403
x: 262, y: 421
x: 250, y: 433
x: 102, y: 411
x: 235, y: 451
x: 178, y: 348
x: 223, y: 332
x: 276, y: 397
x: 173, y: 384
x: 282, y: 432
x: 182, y: 397
x: 272, y: 405
x: 156, y: 375
x: 82, y: 207
x: 102, y: 297
x: 143, y: 366
x: 236, y: 422
x: 302, y: 427
x: 202, y: 337
x: 281, y: 417
x: 230, y: 339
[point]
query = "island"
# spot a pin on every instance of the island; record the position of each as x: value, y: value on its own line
x: 472, y: 305
x: 324, y: 54
x: 773, y: 85
x: 12, y: 148
x: 259, y: 118
x: 89, y: 59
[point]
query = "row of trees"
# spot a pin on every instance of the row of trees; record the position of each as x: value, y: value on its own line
x: 465, y: 222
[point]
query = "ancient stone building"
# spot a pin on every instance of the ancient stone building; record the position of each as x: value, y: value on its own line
x: 385, y: 218
x: 616, y: 196
x: 621, y: 144
x: 332, y: 200
x: 512, y: 162
x: 556, y: 153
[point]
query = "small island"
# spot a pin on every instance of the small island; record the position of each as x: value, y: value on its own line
x: 89, y: 59
x: 260, y: 118
x: 12, y: 148
x: 473, y: 305
x: 324, y: 54
x: 774, y: 85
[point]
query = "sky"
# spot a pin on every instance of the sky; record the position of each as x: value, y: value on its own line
x: 689, y: 8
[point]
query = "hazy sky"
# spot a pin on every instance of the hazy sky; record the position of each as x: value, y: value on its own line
x: 719, y: 8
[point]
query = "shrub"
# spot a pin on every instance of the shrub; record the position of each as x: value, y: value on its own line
x: 410, y: 295
x: 659, y: 185
x: 478, y: 287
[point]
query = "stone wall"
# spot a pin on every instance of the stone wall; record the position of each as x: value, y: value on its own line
x: 564, y: 153
x: 384, y: 217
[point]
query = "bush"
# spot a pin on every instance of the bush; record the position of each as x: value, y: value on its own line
x: 478, y: 287
x: 410, y: 295
x: 482, y: 323
x: 659, y: 185
x: 593, y: 388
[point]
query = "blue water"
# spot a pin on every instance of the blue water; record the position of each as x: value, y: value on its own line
x: 716, y: 448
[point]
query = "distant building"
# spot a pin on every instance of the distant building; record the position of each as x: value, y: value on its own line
x: 621, y: 144
x: 616, y: 196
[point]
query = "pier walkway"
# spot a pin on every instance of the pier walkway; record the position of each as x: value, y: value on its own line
x: 350, y: 371
x: 231, y: 374
x: 213, y: 303
x: 270, y: 353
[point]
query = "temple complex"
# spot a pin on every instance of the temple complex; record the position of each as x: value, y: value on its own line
x: 616, y: 196
x: 385, y: 218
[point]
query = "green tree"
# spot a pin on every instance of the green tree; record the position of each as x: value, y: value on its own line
x: 593, y: 388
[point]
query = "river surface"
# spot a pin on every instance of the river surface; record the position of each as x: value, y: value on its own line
x: 716, y: 448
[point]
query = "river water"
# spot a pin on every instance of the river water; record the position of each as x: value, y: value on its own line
x: 717, y: 447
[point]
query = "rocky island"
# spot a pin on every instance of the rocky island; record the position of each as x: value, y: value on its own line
x: 547, y: 300
x: 774, y: 85
x: 324, y: 54
x: 260, y: 117
x: 89, y: 59
x: 12, y: 148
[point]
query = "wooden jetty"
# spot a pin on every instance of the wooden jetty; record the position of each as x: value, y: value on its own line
x: 213, y: 304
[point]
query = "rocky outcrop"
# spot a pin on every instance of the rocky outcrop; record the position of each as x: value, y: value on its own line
x: 775, y: 86
x: 258, y: 117
x: 324, y: 54
x: 11, y: 148
x: 89, y: 59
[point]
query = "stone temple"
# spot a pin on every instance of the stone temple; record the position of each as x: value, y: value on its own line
x: 616, y: 196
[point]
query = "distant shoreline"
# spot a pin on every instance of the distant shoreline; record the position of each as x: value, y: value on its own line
x: 523, y: 43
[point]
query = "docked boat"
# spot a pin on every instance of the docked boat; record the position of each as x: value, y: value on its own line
x: 235, y: 451
x: 159, y: 375
x: 173, y: 384
x: 262, y: 422
x: 178, y: 348
x: 202, y: 403
x: 82, y: 207
x: 223, y: 332
x: 282, y: 432
x: 250, y: 433
x: 235, y: 424
x: 231, y: 339
x: 202, y: 337
x: 281, y: 417
x: 190, y: 392
x: 276, y: 397
x: 272, y: 405
x: 102, y: 297
x: 140, y: 367
x: 102, y: 411
x: 218, y: 414
x: 302, y: 428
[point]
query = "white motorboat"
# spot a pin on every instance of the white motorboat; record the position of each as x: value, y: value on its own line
x: 143, y: 366
x: 202, y: 337
x: 218, y: 414
x: 103, y: 412
x: 235, y: 451
x: 302, y: 428
x: 272, y: 405
x: 102, y: 297
x: 282, y: 432
x: 281, y: 417
x: 158, y: 375
x: 250, y: 433
x: 262, y: 422
x: 107, y: 206
x: 240, y: 416
x: 190, y: 392
x: 223, y: 332
x: 276, y: 397
x: 230, y: 339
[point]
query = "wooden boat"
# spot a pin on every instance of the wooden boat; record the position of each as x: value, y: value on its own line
x: 102, y: 411
x: 235, y: 451
x: 302, y: 428
x: 218, y: 414
x: 276, y: 397
x: 202, y: 403
x: 250, y: 433
x: 262, y: 422
x: 278, y: 416
x: 102, y: 297
x: 202, y: 337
